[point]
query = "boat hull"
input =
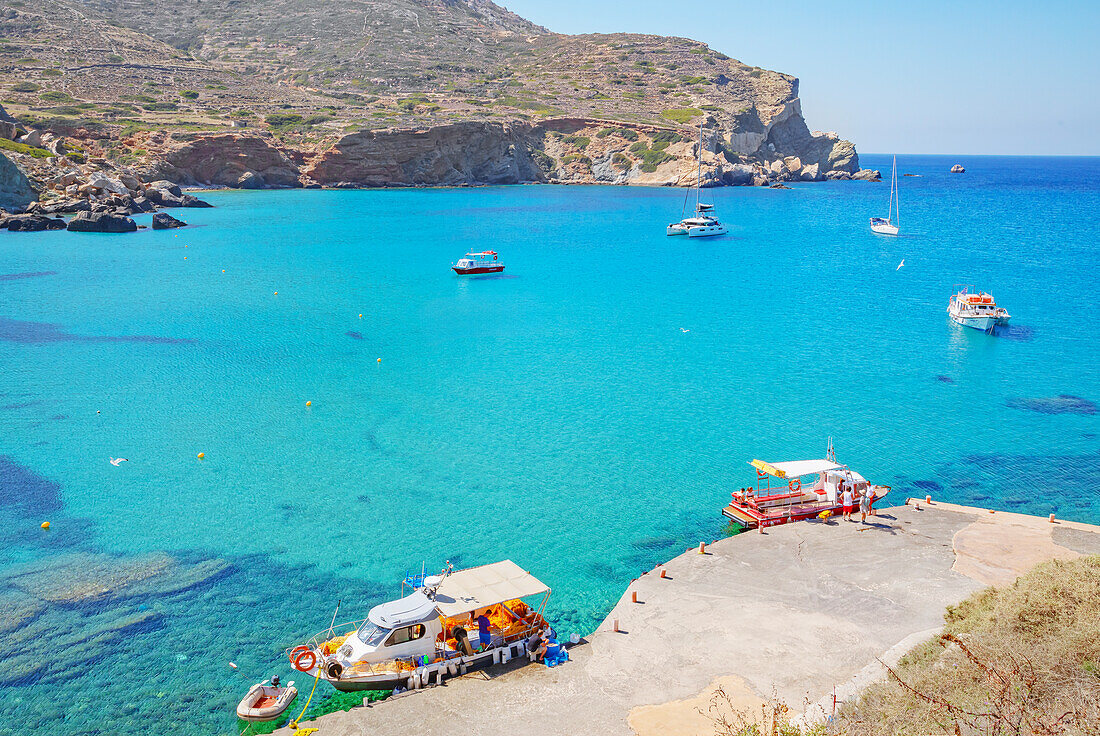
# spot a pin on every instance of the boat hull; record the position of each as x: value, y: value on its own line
x: 751, y: 518
x: 706, y: 231
x: 884, y: 228
x: 676, y: 230
x: 427, y: 675
x: 985, y: 324
x: 263, y: 704
x: 477, y: 270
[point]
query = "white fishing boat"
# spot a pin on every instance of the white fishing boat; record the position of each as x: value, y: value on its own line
x: 704, y: 223
x: 976, y: 309
x: 433, y: 633
x: 266, y: 702
x: 890, y: 225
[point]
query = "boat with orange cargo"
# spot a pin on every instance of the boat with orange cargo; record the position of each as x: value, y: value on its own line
x: 812, y: 488
x: 432, y: 633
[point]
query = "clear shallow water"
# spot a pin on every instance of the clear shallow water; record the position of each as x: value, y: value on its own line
x: 558, y: 415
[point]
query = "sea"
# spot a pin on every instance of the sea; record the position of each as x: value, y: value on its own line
x: 363, y: 413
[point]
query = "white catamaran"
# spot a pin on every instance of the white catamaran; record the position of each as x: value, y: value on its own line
x: 889, y: 225
x: 705, y: 222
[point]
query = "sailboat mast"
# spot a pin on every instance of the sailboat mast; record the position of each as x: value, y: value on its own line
x: 699, y: 167
x: 897, y: 194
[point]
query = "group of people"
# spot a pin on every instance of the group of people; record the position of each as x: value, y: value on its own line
x: 847, y: 492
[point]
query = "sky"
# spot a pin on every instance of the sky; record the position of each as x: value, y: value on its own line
x: 924, y: 76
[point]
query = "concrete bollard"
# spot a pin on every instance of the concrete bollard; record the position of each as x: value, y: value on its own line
x: 928, y: 499
x: 506, y: 655
x: 411, y: 683
x: 615, y: 625
x: 452, y: 669
x: 1052, y: 518
x: 702, y: 548
x: 496, y: 656
x: 634, y: 593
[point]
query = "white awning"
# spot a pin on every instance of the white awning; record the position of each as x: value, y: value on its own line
x: 796, y: 468
x: 480, y: 587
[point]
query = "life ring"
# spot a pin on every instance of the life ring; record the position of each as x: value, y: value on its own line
x: 300, y: 665
x: 296, y: 651
x: 795, y: 485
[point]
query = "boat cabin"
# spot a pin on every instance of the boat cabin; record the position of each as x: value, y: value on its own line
x: 795, y: 490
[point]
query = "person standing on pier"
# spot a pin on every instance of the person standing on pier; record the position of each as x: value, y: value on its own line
x: 847, y: 500
x: 865, y: 504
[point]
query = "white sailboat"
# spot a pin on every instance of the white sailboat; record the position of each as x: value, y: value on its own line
x: 889, y: 225
x: 705, y: 221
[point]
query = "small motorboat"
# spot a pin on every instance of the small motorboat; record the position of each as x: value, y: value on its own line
x: 976, y: 309
x: 266, y: 702
x: 484, y: 262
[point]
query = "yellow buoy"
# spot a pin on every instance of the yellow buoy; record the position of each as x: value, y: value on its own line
x: 276, y: 293
x: 360, y: 316
x: 202, y: 455
x: 223, y: 270
x: 379, y: 360
x: 309, y: 403
x: 45, y: 525
x: 185, y: 258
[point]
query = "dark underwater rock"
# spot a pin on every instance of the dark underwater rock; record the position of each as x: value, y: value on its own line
x: 164, y: 221
x: 101, y: 222
x: 1061, y: 404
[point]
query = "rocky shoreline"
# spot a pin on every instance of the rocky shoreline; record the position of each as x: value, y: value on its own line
x: 46, y: 176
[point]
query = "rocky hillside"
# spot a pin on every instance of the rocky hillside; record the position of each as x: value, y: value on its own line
x: 400, y: 92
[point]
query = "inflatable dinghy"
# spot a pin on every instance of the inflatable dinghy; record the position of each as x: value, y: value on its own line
x: 266, y: 702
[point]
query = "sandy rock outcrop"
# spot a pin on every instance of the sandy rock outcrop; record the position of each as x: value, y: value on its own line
x: 227, y: 160
x: 958, y: 169
x: 453, y: 154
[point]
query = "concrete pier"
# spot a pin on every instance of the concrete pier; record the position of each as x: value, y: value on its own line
x: 803, y: 611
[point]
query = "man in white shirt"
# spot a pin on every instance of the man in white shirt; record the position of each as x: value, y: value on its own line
x: 847, y: 499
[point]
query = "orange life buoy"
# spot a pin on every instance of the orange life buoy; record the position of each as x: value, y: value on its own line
x: 301, y: 666
x: 795, y: 485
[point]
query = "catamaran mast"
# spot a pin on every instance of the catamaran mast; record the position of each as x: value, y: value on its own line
x: 699, y: 167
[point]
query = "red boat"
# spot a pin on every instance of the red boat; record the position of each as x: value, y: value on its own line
x: 484, y: 262
x: 767, y: 505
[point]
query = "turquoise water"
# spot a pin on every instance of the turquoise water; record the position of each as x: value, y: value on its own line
x: 586, y: 413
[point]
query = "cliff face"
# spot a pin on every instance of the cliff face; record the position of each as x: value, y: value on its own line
x: 227, y: 159
x: 460, y: 153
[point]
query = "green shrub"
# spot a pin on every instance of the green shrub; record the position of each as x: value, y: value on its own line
x: 54, y: 96
x: 160, y: 106
x: 694, y: 80
x: 576, y: 140
x: 575, y: 158
x: 51, y: 72
x: 7, y: 145
x: 64, y: 110
x: 619, y: 161
x: 282, y: 119
x: 639, y: 147
x: 25, y: 87
x: 241, y: 114
x: 115, y: 59
x: 755, y: 73
x: 630, y: 135
x: 316, y: 119
x: 604, y: 132
x: 189, y: 94
x: 681, y: 114
x: 710, y: 108
x: 667, y: 136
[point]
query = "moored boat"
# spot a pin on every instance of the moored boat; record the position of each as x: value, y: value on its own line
x: 976, y: 309
x: 889, y: 225
x: 766, y: 505
x: 483, y: 262
x: 449, y: 624
x: 266, y: 702
x: 705, y: 221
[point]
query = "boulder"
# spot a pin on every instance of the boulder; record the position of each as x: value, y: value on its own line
x: 759, y: 181
x: 16, y: 192
x: 70, y: 207
x: 131, y: 183
x: 101, y: 222
x: 32, y: 223
x: 167, y: 186
x: 810, y: 173
x: 164, y: 221
x: 34, y: 138
x: 163, y: 197
x: 837, y: 175
x: 958, y: 169
x: 143, y: 204
x: 250, y: 180
x: 793, y: 164
x: 868, y: 175
x: 190, y: 200
x: 738, y: 175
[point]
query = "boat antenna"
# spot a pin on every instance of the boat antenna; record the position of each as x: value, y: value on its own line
x: 333, y: 622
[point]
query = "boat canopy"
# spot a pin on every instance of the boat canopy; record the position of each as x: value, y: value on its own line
x: 412, y: 609
x: 795, y: 468
x: 481, y: 587
x: 704, y: 207
x: 482, y: 253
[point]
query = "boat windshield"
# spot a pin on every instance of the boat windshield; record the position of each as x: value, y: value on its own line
x: 370, y: 634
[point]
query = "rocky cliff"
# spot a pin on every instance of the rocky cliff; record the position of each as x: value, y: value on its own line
x: 15, y: 190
